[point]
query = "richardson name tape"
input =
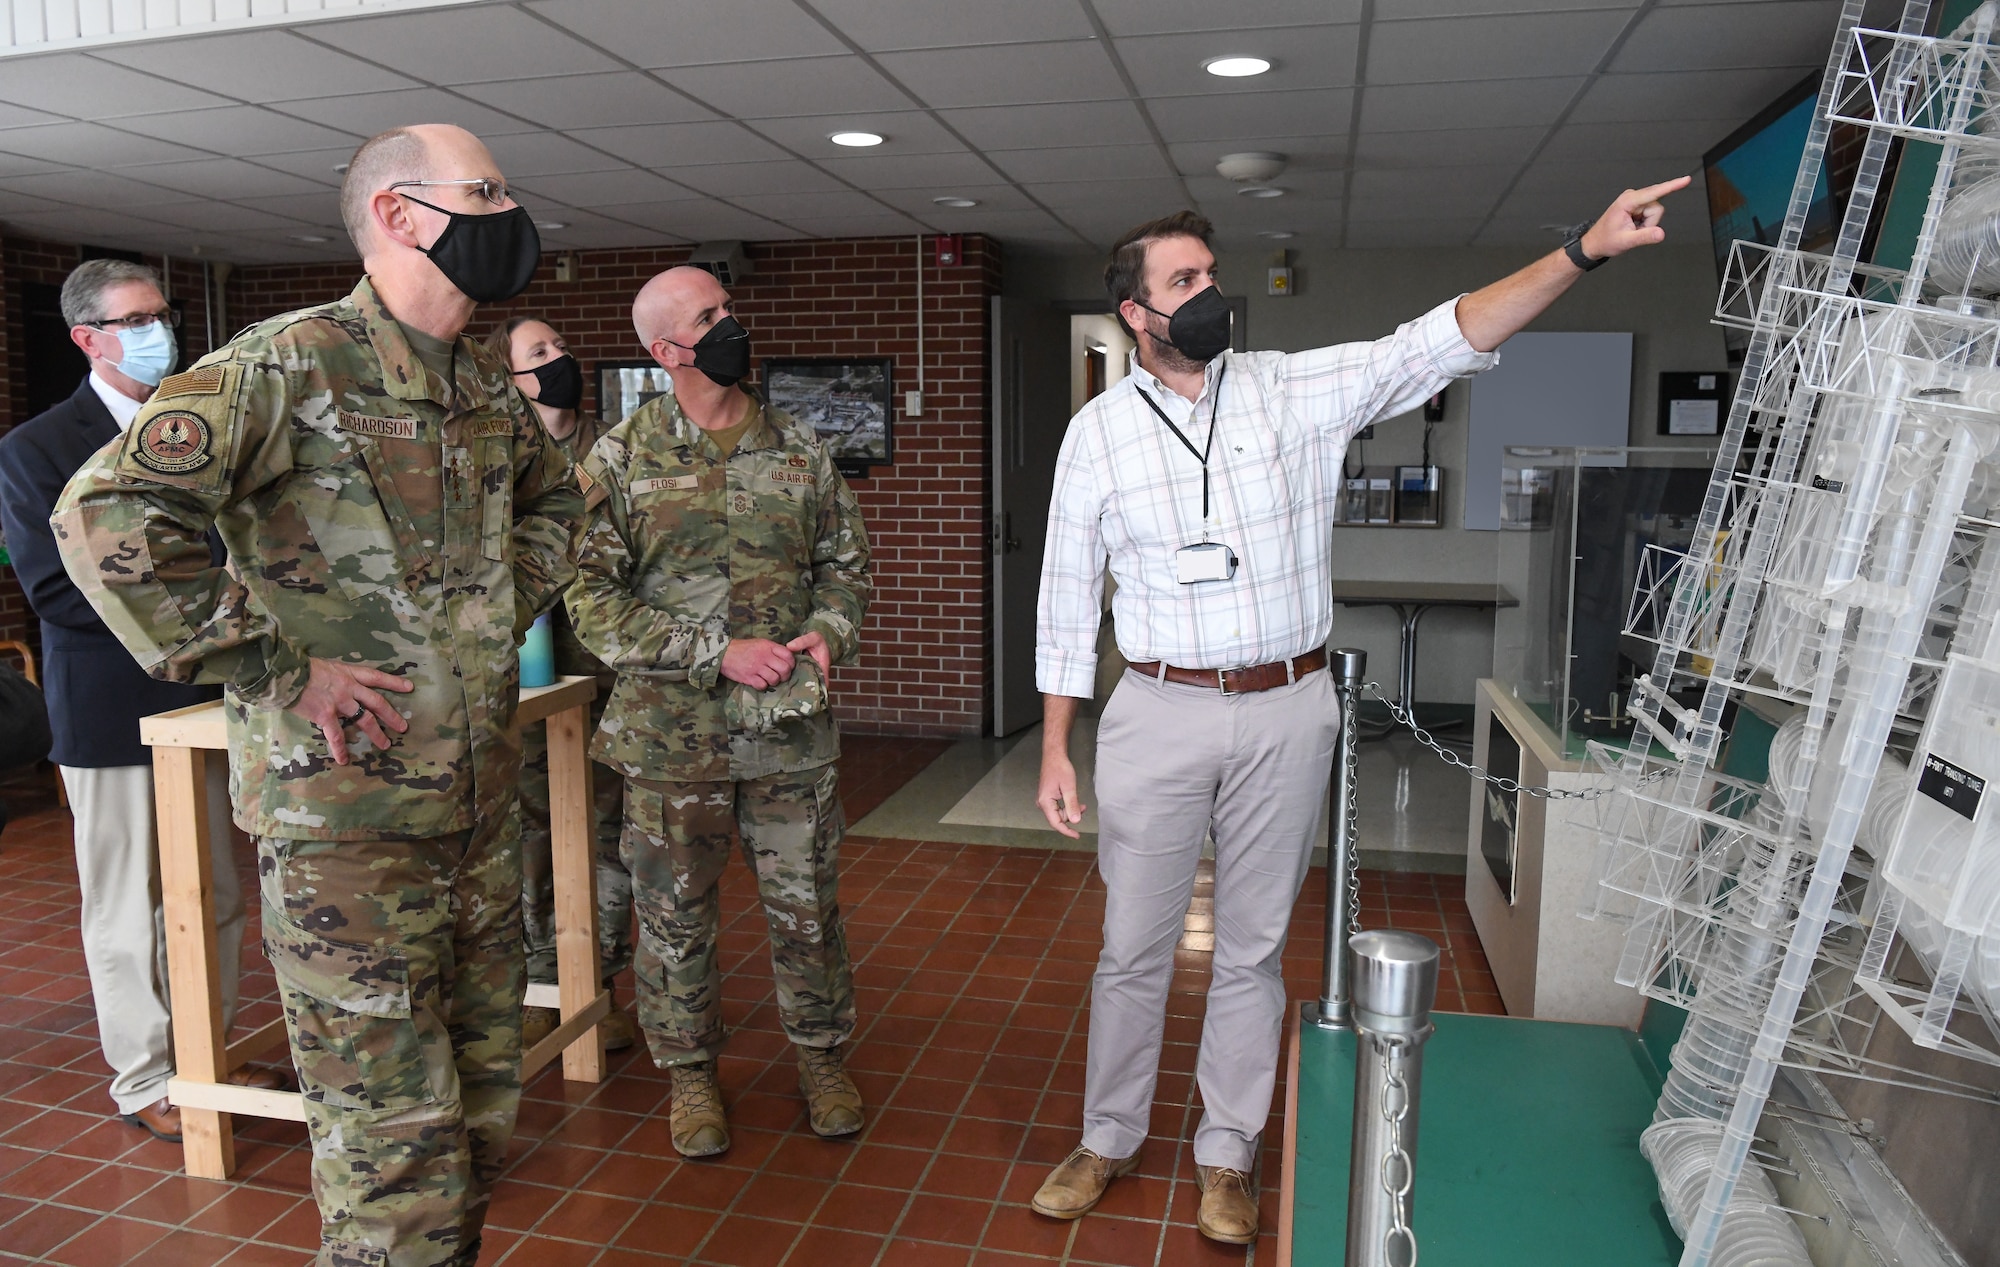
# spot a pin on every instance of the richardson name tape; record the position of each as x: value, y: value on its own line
x: 1955, y: 788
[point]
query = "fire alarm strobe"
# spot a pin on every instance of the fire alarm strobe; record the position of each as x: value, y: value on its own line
x: 949, y: 249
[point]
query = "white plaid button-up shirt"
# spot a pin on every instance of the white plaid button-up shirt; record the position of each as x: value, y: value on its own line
x: 1128, y: 492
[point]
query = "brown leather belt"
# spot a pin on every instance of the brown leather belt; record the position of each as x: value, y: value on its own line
x: 1258, y: 677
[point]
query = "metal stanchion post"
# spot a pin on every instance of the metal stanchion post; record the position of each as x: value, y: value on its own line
x: 1348, y: 667
x: 1395, y: 984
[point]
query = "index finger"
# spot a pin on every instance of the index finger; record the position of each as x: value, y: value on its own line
x: 1050, y: 812
x: 1661, y: 190
x: 375, y: 677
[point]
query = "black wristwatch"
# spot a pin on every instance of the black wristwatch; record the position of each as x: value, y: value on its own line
x: 1573, y: 247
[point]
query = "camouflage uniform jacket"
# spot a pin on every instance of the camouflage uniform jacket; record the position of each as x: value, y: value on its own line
x: 572, y: 657
x: 688, y: 549
x: 374, y: 514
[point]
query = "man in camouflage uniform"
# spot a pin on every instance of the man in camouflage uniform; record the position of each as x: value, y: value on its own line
x: 395, y: 518
x: 550, y: 378
x: 724, y: 571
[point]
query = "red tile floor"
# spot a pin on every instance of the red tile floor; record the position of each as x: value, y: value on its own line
x: 972, y: 974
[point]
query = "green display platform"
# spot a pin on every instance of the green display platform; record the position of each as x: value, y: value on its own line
x: 1527, y: 1147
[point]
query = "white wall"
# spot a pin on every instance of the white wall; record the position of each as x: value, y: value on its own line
x: 1088, y: 328
x: 1663, y: 295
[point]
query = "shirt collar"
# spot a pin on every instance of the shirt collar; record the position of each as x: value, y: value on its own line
x: 403, y: 372
x: 762, y: 433
x: 123, y: 408
x: 1143, y: 377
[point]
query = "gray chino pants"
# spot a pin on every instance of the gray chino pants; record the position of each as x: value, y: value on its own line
x: 1176, y: 763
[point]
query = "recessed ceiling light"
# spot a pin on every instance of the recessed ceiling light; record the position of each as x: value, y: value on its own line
x: 1235, y: 67
x: 1261, y: 191
x: 960, y: 203
x: 341, y: 168
x: 552, y: 225
x: 1278, y: 235
x: 311, y: 238
x: 858, y: 140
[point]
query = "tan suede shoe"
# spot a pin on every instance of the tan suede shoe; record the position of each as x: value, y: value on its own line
x: 833, y: 1102
x: 537, y: 1023
x: 699, y: 1126
x: 1228, y: 1210
x: 617, y: 1029
x: 1075, y: 1187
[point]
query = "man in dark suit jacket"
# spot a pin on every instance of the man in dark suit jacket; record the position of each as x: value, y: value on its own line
x: 97, y: 694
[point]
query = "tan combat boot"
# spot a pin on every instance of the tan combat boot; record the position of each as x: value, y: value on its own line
x: 833, y: 1102
x: 617, y: 1029
x: 1075, y: 1187
x: 537, y: 1023
x: 1228, y: 1211
x: 700, y: 1128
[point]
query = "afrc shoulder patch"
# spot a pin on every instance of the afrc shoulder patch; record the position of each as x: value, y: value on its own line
x: 202, y: 380
x: 174, y: 442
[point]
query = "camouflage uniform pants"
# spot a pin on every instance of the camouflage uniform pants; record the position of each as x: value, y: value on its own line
x: 538, y: 891
x: 399, y: 967
x: 677, y: 839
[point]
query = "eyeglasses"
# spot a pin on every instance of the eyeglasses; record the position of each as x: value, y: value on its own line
x: 139, y: 320
x: 490, y: 188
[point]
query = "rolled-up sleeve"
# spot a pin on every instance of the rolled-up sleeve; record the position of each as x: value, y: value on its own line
x: 1349, y: 386
x: 1072, y: 597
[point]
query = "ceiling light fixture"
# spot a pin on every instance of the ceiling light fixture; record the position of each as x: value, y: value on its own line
x: 1261, y: 191
x: 1278, y: 235
x: 959, y: 203
x: 552, y: 225
x: 1235, y: 67
x: 341, y: 168
x: 856, y: 140
x: 312, y: 239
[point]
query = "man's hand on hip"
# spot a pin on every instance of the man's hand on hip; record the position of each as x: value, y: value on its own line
x: 339, y: 695
x: 814, y: 645
x: 757, y: 662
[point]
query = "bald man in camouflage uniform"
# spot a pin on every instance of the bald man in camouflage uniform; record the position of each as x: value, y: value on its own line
x: 724, y: 570
x: 395, y: 517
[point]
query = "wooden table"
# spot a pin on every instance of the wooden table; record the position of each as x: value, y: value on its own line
x: 182, y: 741
x: 1412, y: 599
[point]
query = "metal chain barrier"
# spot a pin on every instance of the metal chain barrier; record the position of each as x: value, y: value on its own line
x: 1502, y: 782
x: 1353, y: 819
x: 1399, y: 1172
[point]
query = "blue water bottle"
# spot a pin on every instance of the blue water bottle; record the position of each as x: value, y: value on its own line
x: 538, y: 654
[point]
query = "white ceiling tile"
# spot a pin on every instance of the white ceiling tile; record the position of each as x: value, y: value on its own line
x: 789, y: 207
x: 589, y: 101
x: 239, y: 130
x: 20, y: 116
x: 547, y: 154
x: 257, y: 66
x: 1439, y: 149
x: 86, y: 88
x: 700, y: 220
x: 86, y: 188
x: 1253, y: 116
x: 1514, y: 231
x: 90, y: 145
x: 1539, y: 44
x: 906, y: 132
x: 24, y: 164
x: 86, y: 223
x: 1001, y: 221
x: 1082, y: 195
x: 322, y: 208
x: 312, y: 164
x: 1298, y: 184
x: 1688, y: 94
x: 1085, y: 162
x: 666, y: 145
x: 990, y: 198
x: 1453, y: 201
x: 1715, y: 36
x: 599, y: 189
x: 729, y: 180
x: 1300, y: 57
x: 1154, y: 17
x: 369, y: 113
x: 227, y: 178
x: 878, y: 25
x: 1007, y: 74
x: 13, y: 202
x: 1028, y: 127
x: 941, y: 173
x: 461, y: 46
x: 598, y: 235
x: 802, y: 86
x: 1492, y: 103
x: 1380, y: 234
x: 1416, y: 186
x: 693, y: 32
x: 882, y: 225
x: 222, y: 217
x: 1671, y: 143
x: 1302, y: 154
x: 1580, y: 190
x: 1484, y: 8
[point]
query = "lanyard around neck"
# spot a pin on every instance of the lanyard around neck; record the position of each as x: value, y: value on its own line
x: 1201, y: 454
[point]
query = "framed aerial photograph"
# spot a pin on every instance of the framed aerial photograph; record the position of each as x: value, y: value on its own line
x: 848, y: 401
x: 623, y: 386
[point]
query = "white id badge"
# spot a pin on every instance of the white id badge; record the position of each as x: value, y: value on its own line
x: 1209, y: 561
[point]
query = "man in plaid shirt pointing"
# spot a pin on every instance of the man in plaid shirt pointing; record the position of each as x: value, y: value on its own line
x: 1207, y: 481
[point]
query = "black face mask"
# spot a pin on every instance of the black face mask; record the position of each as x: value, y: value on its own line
x: 723, y: 353
x: 558, y: 382
x: 489, y: 258
x: 1199, y: 328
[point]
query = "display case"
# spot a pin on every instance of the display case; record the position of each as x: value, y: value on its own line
x: 1578, y: 527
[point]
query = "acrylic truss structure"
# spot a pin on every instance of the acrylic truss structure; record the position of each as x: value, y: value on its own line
x: 1847, y: 561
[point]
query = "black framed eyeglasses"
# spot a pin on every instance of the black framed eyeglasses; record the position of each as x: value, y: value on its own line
x: 491, y: 188
x: 139, y: 320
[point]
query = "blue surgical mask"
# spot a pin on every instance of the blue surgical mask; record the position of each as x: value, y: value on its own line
x: 149, y: 353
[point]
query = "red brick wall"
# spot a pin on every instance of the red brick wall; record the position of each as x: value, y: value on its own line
x: 925, y: 660
x: 27, y: 261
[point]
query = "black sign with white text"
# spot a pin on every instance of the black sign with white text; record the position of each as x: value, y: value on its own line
x: 1955, y: 789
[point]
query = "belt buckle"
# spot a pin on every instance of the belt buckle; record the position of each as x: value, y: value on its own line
x: 1222, y: 681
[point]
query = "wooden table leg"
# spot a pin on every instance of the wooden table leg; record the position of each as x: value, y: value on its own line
x: 187, y: 896
x: 574, y: 845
